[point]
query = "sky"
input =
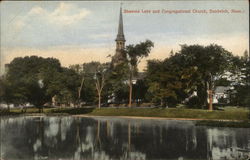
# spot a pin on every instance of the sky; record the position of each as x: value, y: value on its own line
x: 76, y: 32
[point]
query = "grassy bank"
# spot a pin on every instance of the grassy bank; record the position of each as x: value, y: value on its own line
x: 232, y: 117
x: 228, y: 114
x: 236, y: 114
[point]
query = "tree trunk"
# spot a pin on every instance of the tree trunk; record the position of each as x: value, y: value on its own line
x: 206, y: 95
x: 79, y: 92
x: 130, y: 89
x: 210, y: 95
x: 210, y: 107
x: 161, y: 102
x: 99, y: 99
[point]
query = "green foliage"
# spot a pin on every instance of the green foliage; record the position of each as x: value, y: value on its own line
x: 140, y: 90
x: 211, y: 61
x: 193, y: 102
x: 191, y: 69
x: 93, y: 73
x: 135, y: 52
x: 36, y: 80
x: 240, y: 80
x: 89, y: 89
x: 117, y: 88
x: 65, y: 85
x: 169, y: 82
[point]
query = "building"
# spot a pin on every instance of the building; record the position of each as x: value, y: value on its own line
x: 221, y: 94
x: 119, y: 56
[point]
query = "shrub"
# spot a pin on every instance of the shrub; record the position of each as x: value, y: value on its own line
x: 193, y: 102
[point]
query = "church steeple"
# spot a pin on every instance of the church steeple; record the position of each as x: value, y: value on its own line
x: 120, y: 55
x: 120, y: 34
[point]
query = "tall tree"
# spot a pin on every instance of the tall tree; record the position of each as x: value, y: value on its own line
x: 135, y: 54
x: 169, y: 83
x: 118, y: 75
x: 100, y: 78
x: 86, y: 89
x: 36, y: 80
x: 79, y: 70
x: 211, y: 61
x: 30, y: 76
x: 242, y: 85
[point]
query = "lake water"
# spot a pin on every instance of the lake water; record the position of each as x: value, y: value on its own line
x: 78, y: 138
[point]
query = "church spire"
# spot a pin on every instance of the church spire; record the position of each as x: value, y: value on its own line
x: 120, y: 55
x: 120, y: 34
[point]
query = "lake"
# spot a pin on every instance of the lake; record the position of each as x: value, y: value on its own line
x: 81, y: 138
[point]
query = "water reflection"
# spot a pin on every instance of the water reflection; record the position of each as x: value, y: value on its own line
x: 113, y: 138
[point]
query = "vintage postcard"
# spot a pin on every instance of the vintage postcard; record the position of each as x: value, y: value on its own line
x: 125, y: 80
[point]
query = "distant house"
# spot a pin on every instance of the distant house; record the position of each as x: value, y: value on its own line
x: 136, y: 78
x: 221, y: 94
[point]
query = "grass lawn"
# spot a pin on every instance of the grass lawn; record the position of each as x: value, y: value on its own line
x: 231, y: 113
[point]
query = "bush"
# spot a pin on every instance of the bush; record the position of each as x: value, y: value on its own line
x: 193, y: 102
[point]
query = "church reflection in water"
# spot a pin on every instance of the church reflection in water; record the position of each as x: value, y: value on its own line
x: 76, y: 138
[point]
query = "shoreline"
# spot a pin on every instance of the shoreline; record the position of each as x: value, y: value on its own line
x: 157, y: 118
x: 234, y: 117
x: 125, y: 117
x: 197, y: 121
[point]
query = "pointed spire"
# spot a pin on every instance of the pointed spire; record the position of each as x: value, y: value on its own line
x: 120, y: 34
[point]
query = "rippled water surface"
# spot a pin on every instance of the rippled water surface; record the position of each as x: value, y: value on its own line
x: 75, y: 138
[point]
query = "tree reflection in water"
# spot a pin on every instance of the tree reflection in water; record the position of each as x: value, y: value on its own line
x: 113, y: 138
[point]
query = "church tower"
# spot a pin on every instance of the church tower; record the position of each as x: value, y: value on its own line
x: 119, y: 56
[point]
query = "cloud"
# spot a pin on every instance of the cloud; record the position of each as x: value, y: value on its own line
x: 67, y: 14
x: 37, y: 10
x: 64, y: 14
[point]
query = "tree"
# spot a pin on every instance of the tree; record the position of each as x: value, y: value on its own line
x: 86, y: 89
x: 140, y: 90
x: 100, y: 77
x: 79, y: 70
x: 242, y: 87
x: 211, y: 61
x: 66, y: 86
x: 169, y: 83
x: 116, y: 83
x: 193, y: 68
x: 29, y: 77
x: 89, y: 73
x: 135, y: 54
x: 36, y: 80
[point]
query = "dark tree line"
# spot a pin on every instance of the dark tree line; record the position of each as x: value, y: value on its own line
x: 174, y: 80
x: 201, y: 69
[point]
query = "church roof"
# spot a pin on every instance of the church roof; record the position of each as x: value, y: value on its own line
x: 120, y: 34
